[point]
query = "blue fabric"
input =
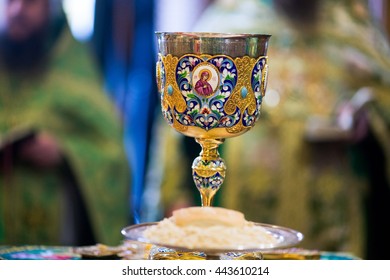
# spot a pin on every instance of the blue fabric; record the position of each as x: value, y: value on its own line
x: 130, y: 81
x: 141, y: 100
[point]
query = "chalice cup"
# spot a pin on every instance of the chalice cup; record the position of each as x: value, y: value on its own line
x: 211, y: 87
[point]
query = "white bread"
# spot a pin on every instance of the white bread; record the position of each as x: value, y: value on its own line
x: 208, y: 216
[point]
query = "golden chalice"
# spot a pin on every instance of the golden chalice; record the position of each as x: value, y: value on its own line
x: 211, y: 88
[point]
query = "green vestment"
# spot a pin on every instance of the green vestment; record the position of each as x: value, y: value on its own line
x: 65, y: 100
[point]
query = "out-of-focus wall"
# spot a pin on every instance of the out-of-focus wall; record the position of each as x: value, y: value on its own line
x: 173, y: 15
x: 80, y: 16
x: 387, y: 17
x: 2, y: 14
x: 381, y: 11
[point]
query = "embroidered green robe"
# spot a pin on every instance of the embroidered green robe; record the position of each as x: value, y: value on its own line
x: 66, y: 100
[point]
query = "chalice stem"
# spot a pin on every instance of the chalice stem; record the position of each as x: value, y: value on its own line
x: 207, y: 196
x: 208, y: 169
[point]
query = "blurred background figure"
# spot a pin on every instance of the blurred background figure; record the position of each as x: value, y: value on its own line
x: 318, y: 158
x: 124, y: 43
x: 63, y: 171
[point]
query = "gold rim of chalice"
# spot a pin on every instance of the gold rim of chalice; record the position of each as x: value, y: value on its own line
x: 233, y: 45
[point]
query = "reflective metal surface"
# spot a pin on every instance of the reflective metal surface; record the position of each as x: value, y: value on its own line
x: 285, y: 237
x: 233, y: 45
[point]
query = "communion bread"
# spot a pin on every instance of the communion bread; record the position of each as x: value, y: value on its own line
x: 208, y: 216
x: 211, y: 228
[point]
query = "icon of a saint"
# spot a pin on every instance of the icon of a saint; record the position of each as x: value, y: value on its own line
x: 202, y: 86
